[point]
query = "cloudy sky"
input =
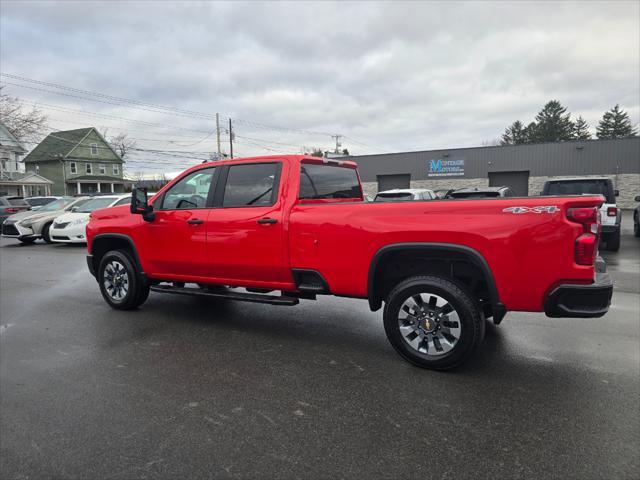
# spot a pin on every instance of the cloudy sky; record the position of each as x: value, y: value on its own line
x: 387, y: 76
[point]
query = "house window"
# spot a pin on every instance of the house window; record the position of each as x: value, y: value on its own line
x: 37, y: 168
x: 94, y: 149
x: 73, y: 167
x: 116, y: 169
x: 103, y: 169
x: 88, y: 167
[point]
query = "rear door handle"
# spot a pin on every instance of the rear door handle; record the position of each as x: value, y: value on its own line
x: 267, y: 220
x: 195, y: 221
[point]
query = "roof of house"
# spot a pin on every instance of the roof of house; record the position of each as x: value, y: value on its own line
x: 60, y: 144
x: 9, y: 141
x: 26, y: 178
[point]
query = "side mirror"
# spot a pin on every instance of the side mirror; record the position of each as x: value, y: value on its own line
x: 140, y: 204
x: 616, y: 193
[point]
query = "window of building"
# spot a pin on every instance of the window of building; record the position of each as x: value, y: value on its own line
x: 94, y: 149
x: 73, y: 167
x: 37, y: 168
x: 103, y: 169
x: 189, y: 192
x: 3, y: 163
x: 116, y: 169
x: 326, y: 181
x: 251, y: 185
x: 88, y: 167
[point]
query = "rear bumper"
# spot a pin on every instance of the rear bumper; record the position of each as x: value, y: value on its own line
x: 581, y: 301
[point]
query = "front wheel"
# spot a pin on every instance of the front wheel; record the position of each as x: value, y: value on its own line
x: 121, y: 285
x: 46, y: 233
x: 433, y: 322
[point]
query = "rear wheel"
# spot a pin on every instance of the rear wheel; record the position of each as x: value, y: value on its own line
x: 613, y: 241
x: 45, y: 233
x: 432, y: 322
x: 121, y: 285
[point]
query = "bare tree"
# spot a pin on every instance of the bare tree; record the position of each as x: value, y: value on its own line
x: 26, y: 124
x: 122, y: 144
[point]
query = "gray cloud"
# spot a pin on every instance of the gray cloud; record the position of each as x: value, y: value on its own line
x: 395, y: 76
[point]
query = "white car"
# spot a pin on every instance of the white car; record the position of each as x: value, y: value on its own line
x: 71, y: 227
x: 405, y: 195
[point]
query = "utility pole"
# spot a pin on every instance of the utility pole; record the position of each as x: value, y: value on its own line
x: 338, y: 144
x: 218, y: 134
x: 230, y: 138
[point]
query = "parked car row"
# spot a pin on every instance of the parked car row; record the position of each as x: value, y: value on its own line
x: 62, y: 220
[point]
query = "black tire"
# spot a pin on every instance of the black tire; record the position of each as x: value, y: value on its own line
x: 613, y: 241
x: 27, y: 241
x: 471, y: 321
x: 45, y: 233
x: 636, y: 226
x: 119, y: 297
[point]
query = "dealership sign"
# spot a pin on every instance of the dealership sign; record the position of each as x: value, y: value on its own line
x: 445, y: 168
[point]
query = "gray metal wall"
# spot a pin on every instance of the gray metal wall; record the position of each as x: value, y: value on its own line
x: 592, y: 157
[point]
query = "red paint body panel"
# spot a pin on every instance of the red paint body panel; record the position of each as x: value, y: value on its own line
x: 528, y: 253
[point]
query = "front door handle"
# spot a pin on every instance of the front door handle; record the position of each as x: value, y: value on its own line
x: 267, y: 220
x: 195, y: 221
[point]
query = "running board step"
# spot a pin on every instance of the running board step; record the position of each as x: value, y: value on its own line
x: 241, y: 297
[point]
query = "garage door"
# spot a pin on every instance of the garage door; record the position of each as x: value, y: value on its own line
x: 516, y: 181
x: 389, y: 182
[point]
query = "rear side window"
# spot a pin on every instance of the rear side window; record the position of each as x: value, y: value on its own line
x: 581, y: 187
x: 251, y: 185
x: 18, y: 202
x: 190, y: 191
x: 325, y: 181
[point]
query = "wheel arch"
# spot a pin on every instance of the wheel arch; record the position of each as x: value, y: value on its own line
x: 461, y: 253
x: 105, y: 242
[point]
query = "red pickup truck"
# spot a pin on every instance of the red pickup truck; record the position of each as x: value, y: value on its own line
x: 300, y: 226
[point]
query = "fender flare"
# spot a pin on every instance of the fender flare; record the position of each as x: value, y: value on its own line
x: 473, y: 255
x: 119, y: 236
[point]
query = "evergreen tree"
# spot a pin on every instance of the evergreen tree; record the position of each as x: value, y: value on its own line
x: 514, y: 134
x: 530, y: 133
x: 615, y: 124
x: 581, y: 129
x: 553, y: 123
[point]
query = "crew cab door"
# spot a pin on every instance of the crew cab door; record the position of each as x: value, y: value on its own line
x: 175, y: 241
x: 245, y: 240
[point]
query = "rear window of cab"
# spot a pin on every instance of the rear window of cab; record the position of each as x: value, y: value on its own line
x: 328, y: 182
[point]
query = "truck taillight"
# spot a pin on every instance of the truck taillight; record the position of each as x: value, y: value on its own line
x: 612, y: 211
x: 586, y: 245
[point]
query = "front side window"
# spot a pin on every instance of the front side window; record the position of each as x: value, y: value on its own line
x: 94, y: 149
x: 73, y: 167
x: 251, y: 185
x: 190, y: 191
x: 88, y: 167
x: 122, y: 201
x: 326, y: 182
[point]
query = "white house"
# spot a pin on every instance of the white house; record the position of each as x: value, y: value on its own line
x: 13, y: 180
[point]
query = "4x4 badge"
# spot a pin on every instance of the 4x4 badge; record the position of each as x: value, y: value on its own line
x: 541, y: 209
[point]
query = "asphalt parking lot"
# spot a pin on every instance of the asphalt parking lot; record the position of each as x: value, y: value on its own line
x: 188, y: 388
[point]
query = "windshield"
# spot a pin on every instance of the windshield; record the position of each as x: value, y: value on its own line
x: 95, y: 204
x: 394, y: 197
x: 474, y: 194
x: 580, y: 187
x: 56, y: 205
x: 36, y: 202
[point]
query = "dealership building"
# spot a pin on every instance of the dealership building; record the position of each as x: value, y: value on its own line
x: 524, y: 168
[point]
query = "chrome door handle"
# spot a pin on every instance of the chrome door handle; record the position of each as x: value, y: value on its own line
x: 195, y: 221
